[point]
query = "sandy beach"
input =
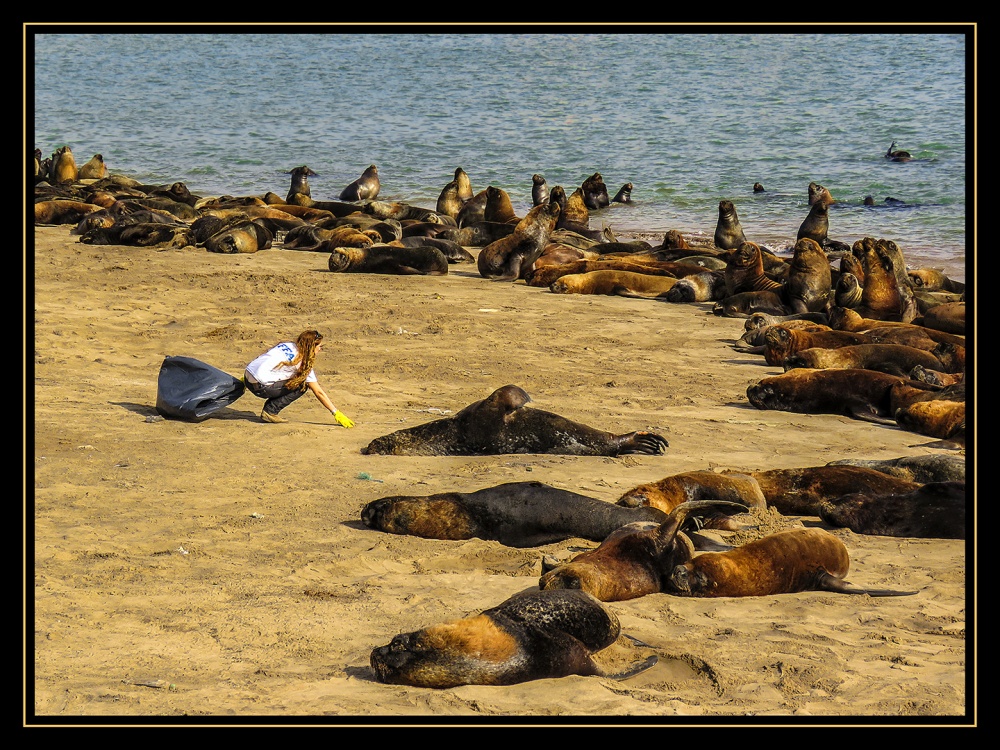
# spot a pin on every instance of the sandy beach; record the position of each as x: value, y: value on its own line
x: 216, y: 572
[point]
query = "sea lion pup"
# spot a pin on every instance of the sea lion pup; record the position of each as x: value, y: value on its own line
x: 245, y: 237
x: 539, y: 190
x: 785, y: 562
x: 533, y: 635
x: 595, y: 192
x: 799, y: 491
x: 402, y: 261
x: 745, y: 270
x: 938, y: 418
x: 498, y: 207
x: 64, y: 169
x: 860, y: 394
x: 728, y: 231
x: 669, y: 492
x: 517, y: 514
x: 63, y: 211
x: 809, y: 285
x: 501, y: 423
x: 509, y: 258
x: 920, y: 469
x: 614, y: 282
x: 935, y: 510
x: 633, y: 560
x: 893, y: 155
x: 365, y: 188
x: 95, y: 169
x: 948, y: 317
x: 701, y: 287
x: 847, y: 291
x: 452, y: 251
x: 895, y: 359
x: 624, y: 194
x: 819, y: 194
x: 299, y: 182
x: 933, y: 280
x: 782, y: 342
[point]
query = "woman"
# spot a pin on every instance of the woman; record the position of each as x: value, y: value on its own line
x: 283, y: 373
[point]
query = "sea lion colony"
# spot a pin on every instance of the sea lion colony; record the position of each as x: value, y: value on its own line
x: 903, y: 363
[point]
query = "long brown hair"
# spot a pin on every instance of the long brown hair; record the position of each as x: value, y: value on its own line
x: 306, y: 344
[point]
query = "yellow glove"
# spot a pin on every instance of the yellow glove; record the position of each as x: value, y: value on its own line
x: 342, y: 418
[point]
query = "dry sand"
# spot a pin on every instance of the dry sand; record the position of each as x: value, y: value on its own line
x: 225, y: 560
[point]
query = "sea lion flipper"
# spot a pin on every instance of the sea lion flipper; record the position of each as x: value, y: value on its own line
x: 635, y: 669
x: 827, y: 582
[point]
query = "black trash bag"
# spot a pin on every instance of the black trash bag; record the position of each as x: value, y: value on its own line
x: 190, y: 389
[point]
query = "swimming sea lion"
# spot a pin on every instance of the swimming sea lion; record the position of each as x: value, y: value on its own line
x: 498, y: 207
x: 895, y: 359
x: 810, y: 279
x: 404, y: 261
x: 935, y: 510
x: 501, y: 424
x: 669, y: 492
x: 785, y: 562
x: 531, y: 636
x: 595, y: 192
x: 508, y: 258
x: 539, y: 190
x: 624, y: 194
x: 517, y: 514
x: 299, y: 183
x: 893, y: 155
x: 728, y: 231
x: 365, y: 188
x: 95, y: 169
x: 758, y: 188
x: 614, y: 282
x: 633, y: 560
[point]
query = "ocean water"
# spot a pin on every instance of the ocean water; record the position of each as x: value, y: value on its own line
x: 688, y: 118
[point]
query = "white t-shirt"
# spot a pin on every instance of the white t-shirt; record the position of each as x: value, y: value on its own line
x: 267, y: 368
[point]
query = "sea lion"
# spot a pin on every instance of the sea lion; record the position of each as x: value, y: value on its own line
x: 785, y: 562
x: 935, y: 510
x: 148, y: 234
x: 454, y: 252
x: 860, y: 394
x: 908, y: 308
x: 810, y: 279
x: 498, y: 207
x: 509, y: 258
x: 936, y: 377
x: 754, y: 340
x: 933, y: 280
x: 782, y: 341
x: 847, y: 291
x: 728, y: 231
x: 893, y: 155
x: 477, y: 234
x: 669, y: 492
x: 448, y: 202
x: 246, y: 237
x: 398, y: 210
x: 95, y: 169
x: 799, y: 491
x: 881, y: 297
x: 539, y: 190
x: 501, y: 424
x: 895, y: 359
x: 517, y: 514
x: 938, y: 418
x: 63, y: 211
x: 473, y: 210
x: 614, y: 282
x: 816, y: 225
x: 299, y: 182
x: 633, y: 560
x: 64, y: 169
x: 948, y: 317
x: 745, y: 271
x: 624, y: 194
x: 531, y: 636
x: 758, y: 188
x: 934, y: 467
x: 545, y: 275
x: 701, y: 287
x: 403, y: 261
x: 674, y: 240
x: 595, y: 192
x: 365, y: 188
x: 316, y: 239
x: 744, y: 304
x: 819, y: 194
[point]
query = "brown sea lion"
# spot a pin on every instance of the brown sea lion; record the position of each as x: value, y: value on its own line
x: 63, y: 211
x: 895, y: 359
x: 936, y: 377
x: 754, y: 340
x: 745, y: 271
x: 816, y: 225
x: 64, y: 169
x: 782, y: 341
x: 744, y: 304
x: 701, y: 287
x: 847, y: 291
x: 948, y: 317
x: 614, y: 282
x: 933, y: 280
x: 819, y: 194
x: 633, y: 560
x: 595, y: 192
x: 299, y: 182
x: 799, y: 491
x: 935, y: 467
x: 95, y: 169
x: 758, y: 188
x: 860, y: 394
x: 531, y: 636
x: 844, y: 319
x: 246, y: 237
x: 785, y: 562
x: 510, y: 257
x: 545, y: 275
x: 728, y: 231
x: 517, y: 514
x: 448, y: 202
x: 897, y: 155
x: 316, y: 239
x: 669, y: 492
x: 539, y: 190
x: 624, y: 194
x: 477, y: 234
x: 674, y: 240
x: 502, y: 423
x: 881, y: 297
x: 402, y: 261
x: 498, y: 207
x: 365, y: 188
x: 938, y: 418
x: 908, y: 305
x: 935, y: 510
x: 398, y: 210
x: 810, y: 279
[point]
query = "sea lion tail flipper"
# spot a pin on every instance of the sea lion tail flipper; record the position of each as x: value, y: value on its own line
x: 827, y: 582
x: 703, y: 543
x: 637, y: 668
x: 866, y: 413
x: 608, y: 234
x: 636, y: 641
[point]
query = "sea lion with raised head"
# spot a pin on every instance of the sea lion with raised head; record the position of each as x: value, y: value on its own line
x: 624, y: 194
x: 299, y: 183
x: 809, y: 285
x: 509, y: 258
x: 365, y: 188
x: 785, y: 562
x: 745, y: 270
x: 881, y: 297
x: 816, y: 225
x: 498, y: 207
x: 728, y: 230
x: 539, y: 190
x: 533, y: 635
x: 595, y: 192
x: 64, y: 169
x: 95, y: 169
x: 502, y: 423
x: 819, y: 194
x: 893, y: 154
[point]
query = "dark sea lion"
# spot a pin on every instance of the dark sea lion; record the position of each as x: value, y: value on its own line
x: 501, y: 424
x: 477, y: 234
x: 402, y: 261
x: 633, y: 560
x: 389, y: 230
x: 816, y: 225
x: 782, y: 341
x: 595, y: 192
x: 63, y: 211
x: 897, y: 155
x: 510, y: 257
x: 933, y: 467
x: 152, y: 234
x: 728, y: 231
x: 624, y: 194
x: 674, y: 240
x: 745, y: 271
x: 343, y: 235
x: 935, y: 510
x: 799, y: 491
x: 614, y: 282
x: 498, y: 207
x: 454, y: 252
x: 178, y: 191
x: 895, y: 359
x: 754, y: 340
x: 785, y: 562
x: 744, y: 304
x: 948, y: 317
x: 517, y: 514
x: 64, y: 169
x: 758, y: 188
x: 847, y: 291
x: 860, y: 394
x: 933, y: 280
x: 539, y: 190
x: 473, y: 210
x: 669, y: 492
x: 819, y: 194
x: 365, y: 188
x: 246, y: 237
x: 300, y: 182
x: 809, y: 285
x: 701, y: 287
x: 531, y: 636
x: 95, y: 169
